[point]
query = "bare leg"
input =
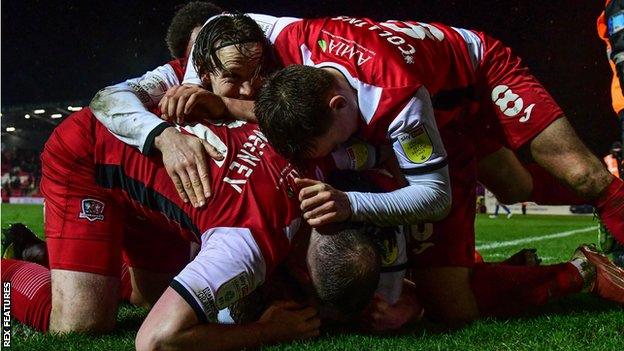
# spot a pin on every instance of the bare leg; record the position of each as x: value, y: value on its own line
x: 558, y: 149
x: 502, y: 173
x: 83, y: 302
x: 148, y: 286
x: 446, y: 294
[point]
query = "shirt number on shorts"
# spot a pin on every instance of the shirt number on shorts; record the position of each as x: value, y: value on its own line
x: 510, y: 103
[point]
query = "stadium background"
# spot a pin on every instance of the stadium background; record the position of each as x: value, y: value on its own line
x: 57, y: 54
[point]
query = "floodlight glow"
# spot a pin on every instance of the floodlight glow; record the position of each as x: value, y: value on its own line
x: 74, y: 109
x: 56, y: 115
x: 39, y: 111
x: 10, y: 129
x: 27, y: 116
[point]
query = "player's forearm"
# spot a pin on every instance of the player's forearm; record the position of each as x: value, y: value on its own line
x: 426, y: 198
x: 120, y: 110
x: 240, y: 109
x: 213, y: 336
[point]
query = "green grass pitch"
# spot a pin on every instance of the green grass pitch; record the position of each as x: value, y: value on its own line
x: 579, y: 322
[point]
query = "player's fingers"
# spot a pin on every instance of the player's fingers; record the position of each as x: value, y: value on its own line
x: 314, y: 323
x: 315, y: 201
x: 309, y: 191
x: 311, y: 334
x: 308, y: 312
x: 187, y: 185
x: 324, y: 219
x: 162, y: 105
x: 204, y: 173
x: 179, y: 113
x: 305, y: 182
x: 198, y: 189
x: 178, y: 185
x: 212, y: 151
x: 309, y: 187
x: 190, y: 103
x: 172, y: 91
x: 320, y: 210
x: 171, y: 107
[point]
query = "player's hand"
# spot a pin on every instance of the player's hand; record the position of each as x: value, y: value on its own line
x: 321, y: 204
x: 186, y: 160
x: 289, y: 320
x: 187, y: 103
x: 524, y: 257
x: 381, y: 316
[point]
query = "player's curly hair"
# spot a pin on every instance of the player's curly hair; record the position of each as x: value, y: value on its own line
x: 233, y: 29
x: 292, y: 110
x: 188, y: 17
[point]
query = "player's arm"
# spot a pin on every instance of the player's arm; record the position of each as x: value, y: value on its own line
x: 191, y: 103
x: 229, y: 266
x: 422, y: 158
x: 419, y: 150
x: 124, y: 109
x: 179, y: 329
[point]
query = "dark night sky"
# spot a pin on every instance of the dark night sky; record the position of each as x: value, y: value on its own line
x: 67, y: 50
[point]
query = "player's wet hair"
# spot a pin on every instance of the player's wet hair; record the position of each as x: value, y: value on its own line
x: 292, y: 109
x: 188, y: 17
x: 234, y: 29
x: 344, y: 268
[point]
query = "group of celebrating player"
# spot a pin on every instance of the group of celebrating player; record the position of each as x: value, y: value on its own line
x: 292, y: 172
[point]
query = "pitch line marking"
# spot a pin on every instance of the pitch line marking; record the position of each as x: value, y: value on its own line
x: 497, y: 245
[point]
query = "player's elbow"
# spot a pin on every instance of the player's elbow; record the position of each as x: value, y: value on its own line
x: 99, y: 103
x: 442, y: 205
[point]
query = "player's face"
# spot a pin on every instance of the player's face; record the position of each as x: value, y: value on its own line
x: 344, y: 125
x: 239, y: 79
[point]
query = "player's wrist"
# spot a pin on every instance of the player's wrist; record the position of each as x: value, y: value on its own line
x: 162, y: 139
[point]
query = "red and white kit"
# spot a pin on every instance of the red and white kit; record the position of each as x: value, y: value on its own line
x: 410, y: 76
x: 94, y: 184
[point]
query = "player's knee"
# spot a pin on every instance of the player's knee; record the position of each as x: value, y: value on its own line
x: 83, y: 302
x: 586, y: 180
x: 80, y: 323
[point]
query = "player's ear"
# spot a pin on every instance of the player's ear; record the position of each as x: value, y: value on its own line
x: 337, y: 102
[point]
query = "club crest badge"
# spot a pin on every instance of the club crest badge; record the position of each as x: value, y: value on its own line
x: 92, y: 209
x: 417, y: 145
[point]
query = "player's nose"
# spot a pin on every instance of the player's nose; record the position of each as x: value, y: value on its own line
x: 246, y: 90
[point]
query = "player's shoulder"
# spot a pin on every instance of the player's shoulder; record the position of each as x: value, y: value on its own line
x: 178, y: 66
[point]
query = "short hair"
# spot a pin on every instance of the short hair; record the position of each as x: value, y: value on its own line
x: 226, y: 30
x: 292, y: 109
x: 188, y: 17
x: 344, y: 268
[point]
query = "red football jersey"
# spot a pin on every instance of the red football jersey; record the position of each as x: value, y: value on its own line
x: 252, y: 187
x: 391, y: 60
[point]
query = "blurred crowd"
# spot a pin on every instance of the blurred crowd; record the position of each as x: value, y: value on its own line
x: 21, y: 173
